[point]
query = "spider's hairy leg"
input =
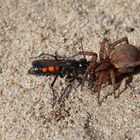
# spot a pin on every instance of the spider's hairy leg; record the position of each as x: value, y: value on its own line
x: 124, y: 39
x: 98, y: 85
x: 102, y: 52
x: 113, y: 80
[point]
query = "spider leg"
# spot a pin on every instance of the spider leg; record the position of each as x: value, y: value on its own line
x: 102, y: 66
x: 98, y: 85
x: 84, y: 53
x: 88, y: 71
x: 124, y: 39
x: 105, y: 43
x: 113, y: 80
x: 103, y: 50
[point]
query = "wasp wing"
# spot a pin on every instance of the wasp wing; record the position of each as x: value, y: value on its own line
x: 51, y: 62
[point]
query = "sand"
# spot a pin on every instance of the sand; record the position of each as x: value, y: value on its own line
x: 28, y: 28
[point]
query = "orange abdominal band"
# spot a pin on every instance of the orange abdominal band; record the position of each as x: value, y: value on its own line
x: 50, y: 69
x: 44, y: 70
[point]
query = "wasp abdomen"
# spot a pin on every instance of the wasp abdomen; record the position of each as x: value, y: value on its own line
x: 51, y: 69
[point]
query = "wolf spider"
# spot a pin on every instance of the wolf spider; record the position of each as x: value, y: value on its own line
x: 115, y: 60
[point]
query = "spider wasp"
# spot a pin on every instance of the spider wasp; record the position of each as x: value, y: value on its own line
x: 70, y: 68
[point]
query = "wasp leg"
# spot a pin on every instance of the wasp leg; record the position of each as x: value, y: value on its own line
x: 65, y: 94
x: 53, y: 91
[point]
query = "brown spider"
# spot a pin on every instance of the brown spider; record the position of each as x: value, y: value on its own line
x: 116, y: 59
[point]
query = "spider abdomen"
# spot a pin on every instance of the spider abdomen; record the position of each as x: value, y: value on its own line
x: 123, y: 54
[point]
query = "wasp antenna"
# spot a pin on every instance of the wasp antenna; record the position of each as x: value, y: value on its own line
x: 81, y: 46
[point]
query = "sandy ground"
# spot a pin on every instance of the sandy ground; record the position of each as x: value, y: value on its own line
x: 25, y: 100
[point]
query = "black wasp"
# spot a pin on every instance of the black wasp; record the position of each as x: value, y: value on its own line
x: 71, y: 69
